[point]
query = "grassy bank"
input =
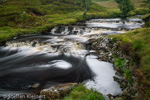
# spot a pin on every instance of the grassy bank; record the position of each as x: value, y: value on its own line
x: 34, y: 17
x: 136, y: 44
x: 20, y: 17
x: 82, y: 93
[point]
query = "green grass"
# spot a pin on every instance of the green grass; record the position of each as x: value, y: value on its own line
x: 140, y: 53
x: 140, y: 40
x: 120, y: 62
x: 37, y: 16
x: 82, y: 93
x: 20, y: 17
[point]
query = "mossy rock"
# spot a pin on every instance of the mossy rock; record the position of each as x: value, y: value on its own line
x: 146, y: 18
x: 57, y: 91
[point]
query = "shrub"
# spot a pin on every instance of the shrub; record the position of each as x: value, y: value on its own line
x: 125, y: 6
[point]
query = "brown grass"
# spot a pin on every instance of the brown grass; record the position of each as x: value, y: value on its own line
x: 113, y: 4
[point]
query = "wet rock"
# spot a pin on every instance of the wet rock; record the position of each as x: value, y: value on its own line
x: 118, y: 98
x: 36, y: 85
x: 108, y: 50
x: 58, y: 91
x: 126, y: 92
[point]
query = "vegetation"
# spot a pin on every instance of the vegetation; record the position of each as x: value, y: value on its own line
x: 111, y: 4
x: 125, y: 6
x: 82, y: 93
x: 37, y: 16
x: 146, y: 18
x: 120, y: 63
x: 140, y: 52
x: 84, y: 3
x: 146, y: 3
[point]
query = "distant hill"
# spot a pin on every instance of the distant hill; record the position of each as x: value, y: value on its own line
x: 113, y: 4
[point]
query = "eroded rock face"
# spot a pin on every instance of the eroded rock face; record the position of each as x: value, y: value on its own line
x: 106, y: 49
x: 57, y: 91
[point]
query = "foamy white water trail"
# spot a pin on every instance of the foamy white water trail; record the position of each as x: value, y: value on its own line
x: 104, y: 82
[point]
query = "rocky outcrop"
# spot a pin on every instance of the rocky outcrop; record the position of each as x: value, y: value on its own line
x: 57, y: 91
x: 108, y: 50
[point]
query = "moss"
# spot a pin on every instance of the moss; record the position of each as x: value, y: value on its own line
x: 82, y: 93
x: 140, y: 44
x: 146, y: 18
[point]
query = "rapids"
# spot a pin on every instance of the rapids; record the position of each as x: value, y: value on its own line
x: 63, y: 55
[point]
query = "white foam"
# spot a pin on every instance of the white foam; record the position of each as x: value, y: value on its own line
x: 61, y: 64
x: 104, y: 82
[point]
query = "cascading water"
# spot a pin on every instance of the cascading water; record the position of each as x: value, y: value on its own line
x: 61, y: 56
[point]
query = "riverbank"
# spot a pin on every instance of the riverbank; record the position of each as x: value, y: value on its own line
x: 27, y: 18
x: 129, y: 52
x: 137, y: 46
x: 107, y: 50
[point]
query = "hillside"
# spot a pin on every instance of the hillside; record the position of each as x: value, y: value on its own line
x: 113, y: 4
x: 36, y: 16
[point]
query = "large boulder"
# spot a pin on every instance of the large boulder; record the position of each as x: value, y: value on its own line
x: 57, y: 91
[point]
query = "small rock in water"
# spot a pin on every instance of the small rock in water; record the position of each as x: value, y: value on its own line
x: 57, y: 91
x: 36, y: 85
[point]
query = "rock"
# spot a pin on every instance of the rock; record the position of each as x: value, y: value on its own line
x: 36, y: 85
x: 57, y: 91
x: 108, y: 51
x: 126, y: 91
x: 118, y: 98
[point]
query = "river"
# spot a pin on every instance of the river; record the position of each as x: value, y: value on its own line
x: 30, y: 63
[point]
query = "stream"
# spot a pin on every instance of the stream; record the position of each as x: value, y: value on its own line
x: 30, y: 63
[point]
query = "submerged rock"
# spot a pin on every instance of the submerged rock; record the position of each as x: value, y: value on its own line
x: 36, y: 85
x: 57, y: 91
